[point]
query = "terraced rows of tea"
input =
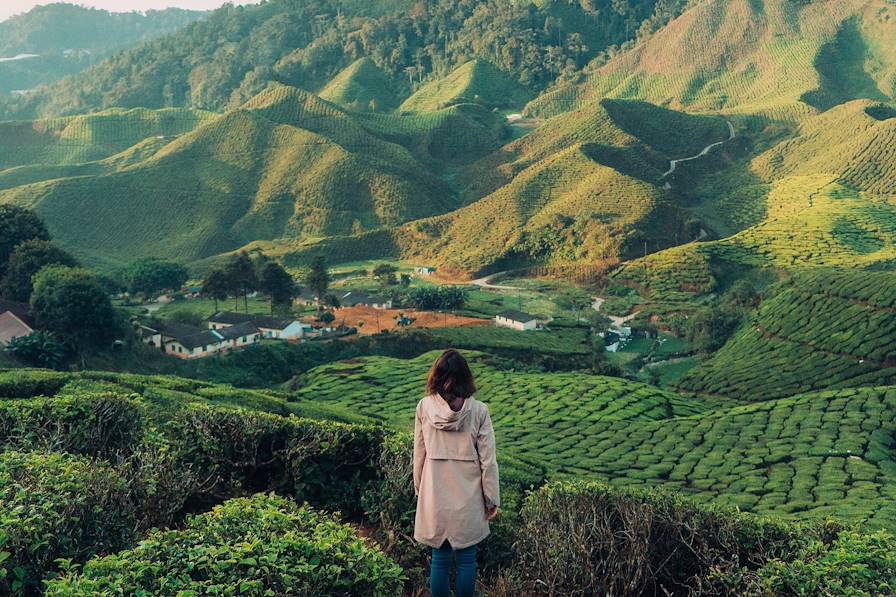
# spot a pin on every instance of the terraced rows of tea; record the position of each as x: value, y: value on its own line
x: 812, y: 221
x: 825, y: 454
x: 821, y: 329
x: 538, y: 417
x: 831, y: 453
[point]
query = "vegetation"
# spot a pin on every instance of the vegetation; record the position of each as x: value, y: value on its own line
x: 309, y: 553
x: 130, y: 467
x: 71, y: 303
x: 151, y: 276
x: 25, y: 261
x: 68, y: 38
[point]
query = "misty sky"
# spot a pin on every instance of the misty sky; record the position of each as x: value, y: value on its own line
x: 12, y: 7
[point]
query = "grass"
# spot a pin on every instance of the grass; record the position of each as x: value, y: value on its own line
x: 557, y: 342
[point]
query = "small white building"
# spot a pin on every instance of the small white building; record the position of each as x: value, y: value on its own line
x: 362, y: 299
x: 424, y: 270
x: 516, y: 320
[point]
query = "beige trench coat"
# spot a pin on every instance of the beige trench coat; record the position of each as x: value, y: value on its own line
x: 455, y: 472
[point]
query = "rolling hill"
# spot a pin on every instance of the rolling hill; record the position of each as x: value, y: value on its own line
x: 779, y: 59
x: 820, y: 329
x: 362, y: 87
x: 477, y: 81
x: 287, y: 164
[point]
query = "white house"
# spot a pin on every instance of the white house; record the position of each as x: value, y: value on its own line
x: 516, y: 320
x: 268, y: 327
x: 424, y: 270
x: 14, y: 322
x: 362, y: 299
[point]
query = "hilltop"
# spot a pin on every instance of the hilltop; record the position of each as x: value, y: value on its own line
x: 281, y: 165
x: 780, y: 60
x: 363, y: 86
x: 56, y: 40
x: 476, y: 81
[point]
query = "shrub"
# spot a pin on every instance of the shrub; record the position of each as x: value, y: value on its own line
x: 39, y: 349
x: 56, y: 506
x: 264, y: 545
x: 102, y: 424
x: 853, y: 564
x: 28, y: 384
x: 587, y: 538
x: 328, y: 464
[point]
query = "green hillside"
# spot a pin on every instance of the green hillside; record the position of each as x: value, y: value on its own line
x: 821, y: 329
x: 476, y: 81
x: 287, y: 164
x: 362, y: 87
x: 780, y: 59
x: 808, y: 456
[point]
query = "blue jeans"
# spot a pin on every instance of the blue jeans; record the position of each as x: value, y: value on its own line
x: 440, y: 572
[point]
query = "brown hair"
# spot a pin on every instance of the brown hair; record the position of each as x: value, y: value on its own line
x: 450, y: 377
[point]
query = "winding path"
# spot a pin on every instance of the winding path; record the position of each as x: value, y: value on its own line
x: 483, y: 282
x: 616, y: 320
x: 674, y: 163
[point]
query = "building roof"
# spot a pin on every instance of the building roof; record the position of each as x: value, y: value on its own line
x: 20, y: 310
x: 189, y: 336
x: 11, y: 326
x: 517, y: 316
x: 362, y: 298
x: 272, y: 323
x: 230, y: 318
x: 237, y: 331
x: 147, y: 332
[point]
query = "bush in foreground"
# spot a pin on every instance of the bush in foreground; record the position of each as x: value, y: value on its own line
x: 264, y: 545
x: 57, y: 506
x: 587, y: 538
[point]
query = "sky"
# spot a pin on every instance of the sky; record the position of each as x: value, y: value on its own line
x: 13, y: 7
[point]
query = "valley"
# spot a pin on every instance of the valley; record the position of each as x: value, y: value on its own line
x: 663, y: 233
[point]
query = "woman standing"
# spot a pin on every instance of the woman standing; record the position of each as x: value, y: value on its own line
x: 455, y: 473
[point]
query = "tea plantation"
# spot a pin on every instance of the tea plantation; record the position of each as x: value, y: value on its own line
x: 127, y: 484
x: 821, y: 329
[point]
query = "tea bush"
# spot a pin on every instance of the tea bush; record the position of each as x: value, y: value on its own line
x: 264, y: 545
x: 586, y: 538
x: 100, y: 424
x: 57, y: 506
x: 853, y: 564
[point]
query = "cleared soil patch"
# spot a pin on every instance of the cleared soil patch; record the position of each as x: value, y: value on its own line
x: 366, y: 319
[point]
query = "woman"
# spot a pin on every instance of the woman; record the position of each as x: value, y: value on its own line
x: 455, y: 473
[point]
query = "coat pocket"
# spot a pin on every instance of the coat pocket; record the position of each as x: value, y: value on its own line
x: 450, y: 445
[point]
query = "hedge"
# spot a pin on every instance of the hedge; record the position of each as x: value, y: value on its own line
x: 57, y: 506
x: 264, y: 545
x: 586, y: 538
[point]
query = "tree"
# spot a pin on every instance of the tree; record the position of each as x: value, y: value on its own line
x: 26, y: 260
x: 739, y: 298
x: 151, y: 276
x: 327, y: 317
x: 438, y: 297
x: 404, y: 280
x: 16, y: 226
x: 278, y: 284
x: 216, y: 286
x: 71, y: 303
x: 38, y: 349
x: 385, y: 274
x: 241, y: 278
x: 332, y: 301
x: 318, y: 279
x: 709, y: 328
